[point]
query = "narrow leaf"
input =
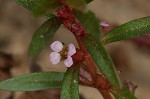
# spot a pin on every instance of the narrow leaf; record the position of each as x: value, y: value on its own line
x: 124, y: 94
x: 43, y: 35
x: 128, y: 30
x: 90, y: 22
x: 70, y: 87
x: 101, y: 58
x: 76, y: 3
x: 30, y: 4
x: 34, y: 81
x: 88, y: 1
x: 44, y: 7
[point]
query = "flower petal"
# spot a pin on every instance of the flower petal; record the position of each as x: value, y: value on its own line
x: 55, y: 57
x: 104, y: 24
x: 68, y: 62
x: 56, y: 46
x: 71, y: 49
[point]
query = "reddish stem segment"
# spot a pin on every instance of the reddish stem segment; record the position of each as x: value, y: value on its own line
x: 72, y: 24
x: 104, y: 93
x: 91, y: 67
x: 84, y: 81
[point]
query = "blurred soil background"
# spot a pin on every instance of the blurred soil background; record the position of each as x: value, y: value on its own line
x: 17, y: 26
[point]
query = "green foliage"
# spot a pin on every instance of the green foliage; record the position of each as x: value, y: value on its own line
x: 128, y: 30
x: 90, y: 22
x: 45, y: 7
x: 43, y: 36
x: 124, y: 94
x: 88, y: 1
x: 28, y: 4
x: 101, y: 58
x: 70, y: 87
x: 31, y: 5
x: 76, y: 3
x: 34, y: 81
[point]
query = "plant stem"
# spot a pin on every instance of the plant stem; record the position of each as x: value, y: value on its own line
x: 104, y: 93
x: 91, y: 67
x: 98, y: 80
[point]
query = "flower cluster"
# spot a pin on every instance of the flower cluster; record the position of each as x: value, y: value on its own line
x: 62, y: 52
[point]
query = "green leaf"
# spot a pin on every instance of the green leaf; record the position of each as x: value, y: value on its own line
x: 76, y: 3
x: 101, y: 58
x: 124, y: 94
x: 88, y: 1
x: 90, y: 22
x: 34, y: 81
x: 43, y: 35
x: 70, y: 87
x: 128, y: 30
x: 31, y: 5
x: 28, y: 4
x: 44, y: 7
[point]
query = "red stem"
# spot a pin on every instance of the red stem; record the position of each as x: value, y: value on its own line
x: 85, y: 82
x: 104, y: 93
x: 72, y: 24
x: 99, y: 79
x: 88, y: 59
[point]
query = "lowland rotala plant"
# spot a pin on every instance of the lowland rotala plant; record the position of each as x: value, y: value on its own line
x: 89, y: 65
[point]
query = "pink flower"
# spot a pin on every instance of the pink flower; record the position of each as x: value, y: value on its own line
x: 71, y: 49
x: 104, y: 24
x: 57, y: 47
x: 55, y: 57
x: 68, y: 62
